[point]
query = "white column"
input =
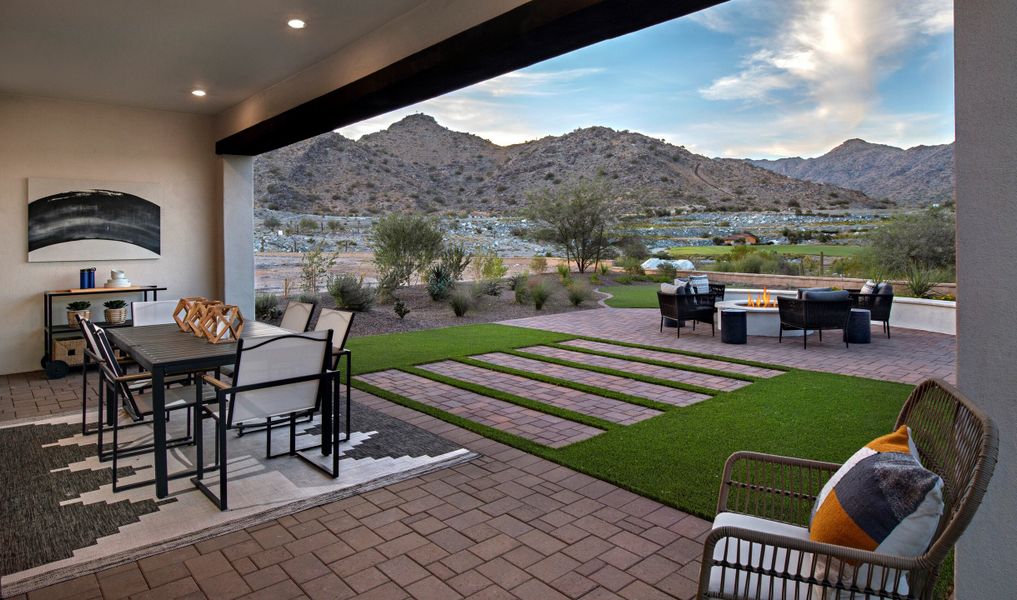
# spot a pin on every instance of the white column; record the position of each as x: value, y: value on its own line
x: 238, y: 232
x: 986, y: 170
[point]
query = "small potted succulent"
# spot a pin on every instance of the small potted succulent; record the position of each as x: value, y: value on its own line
x: 116, y: 311
x: 78, y: 310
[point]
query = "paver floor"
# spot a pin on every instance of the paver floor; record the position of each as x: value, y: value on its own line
x: 650, y: 391
x: 506, y: 525
x: 535, y: 426
x: 667, y: 373
x: 677, y: 359
x: 608, y: 409
x: 910, y: 356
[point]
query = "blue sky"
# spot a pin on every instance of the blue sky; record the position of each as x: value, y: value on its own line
x: 747, y: 78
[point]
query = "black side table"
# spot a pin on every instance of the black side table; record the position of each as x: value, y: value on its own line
x: 859, y: 327
x: 733, y: 327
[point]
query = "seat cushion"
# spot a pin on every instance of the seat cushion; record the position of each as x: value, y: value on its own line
x: 882, y: 500
x: 826, y: 296
x: 748, y: 584
x: 884, y: 289
x: 667, y: 288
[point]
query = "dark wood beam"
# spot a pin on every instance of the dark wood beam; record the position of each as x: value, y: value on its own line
x: 528, y: 34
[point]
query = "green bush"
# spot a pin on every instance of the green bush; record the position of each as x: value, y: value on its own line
x: 579, y: 292
x: 564, y: 272
x: 272, y: 223
x: 350, y: 293
x: 401, y: 309
x: 540, y: 293
x: 522, y: 293
x: 624, y: 279
x: 926, y: 240
x: 603, y: 269
x: 455, y: 259
x: 313, y: 267
x: 266, y: 306
x: 667, y: 272
x: 488, y: 265
x: 487, y: 287
x: 404, y: 244
x: 308, y: 298
x: 440, y: 282
x: 631, y: 265
x: 538, y: 264
x: 594, y: 279
x: 921, y: 281
x: 461, y: 301
x: 517, y: 280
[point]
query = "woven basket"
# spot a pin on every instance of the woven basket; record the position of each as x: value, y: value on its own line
x: 115, y: 316
x: 74, y: 315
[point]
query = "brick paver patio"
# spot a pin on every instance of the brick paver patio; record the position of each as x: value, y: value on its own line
x: 677, y: 359
x: 910, y: 356
x: 574, y: 400
x: 539, y: 427
x: 650, y: 391
x: 667, y: 373
x: 506, y: 525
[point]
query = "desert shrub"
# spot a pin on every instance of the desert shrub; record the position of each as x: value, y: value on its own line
x: 440, y: 282
x: 350, y: 293
x: 272, y: 223
x: 576, y: 218
x: 307, y: 225
x: 603, y: 269
x: 538, y: 264
x: 517, y: 280
x: 388, y: 283
x: 624, y: 279
x: 579, y: 292
x: 667, y: 271
x: 632, y: 265
x: 564, y: 272
x: 522, y: 294
x: 633, y: 247
x: 461, y: 301
x: 404, y: 245
x: 488, y: 265
x: 540, y: 293
x: 401, y: 309
x: 455, y: 259
x: 921, y: 280
x: 487, y: 287
x: 307, y: 298
x: 926, y: 240
x: 266, y: 307
x: 314, y: 264
x: 595, y: 279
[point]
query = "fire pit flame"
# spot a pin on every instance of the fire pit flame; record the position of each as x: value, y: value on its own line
x: 763, y: 300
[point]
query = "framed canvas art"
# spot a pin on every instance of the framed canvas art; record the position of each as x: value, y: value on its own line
x: 78, y: 220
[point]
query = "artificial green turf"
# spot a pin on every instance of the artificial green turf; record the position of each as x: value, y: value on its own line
x: 631, y: 296
x: 676, y: 457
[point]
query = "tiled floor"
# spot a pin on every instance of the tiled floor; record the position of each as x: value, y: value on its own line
x: 650, y: 391
x: 506, y: 525
x: 712, y: 382
x: 608, y: 409
x: 910, y: 356
x: 539, y: 427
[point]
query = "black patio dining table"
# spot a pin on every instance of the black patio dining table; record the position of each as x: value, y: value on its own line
x: 164, y: 350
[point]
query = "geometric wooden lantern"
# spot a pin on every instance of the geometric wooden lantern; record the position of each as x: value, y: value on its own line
x: 196, y: 315
x: 183, y: 308
x: 222, y: 323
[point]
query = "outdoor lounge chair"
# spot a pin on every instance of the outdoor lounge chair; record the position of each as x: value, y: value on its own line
x: 818, y: 311
x: 340, y: 322
x: 297, y: 316
x: 276, y: 381
x: 156, y: 312
x: 687, y: 307
x: 878, y: 305
x: 759, y: 546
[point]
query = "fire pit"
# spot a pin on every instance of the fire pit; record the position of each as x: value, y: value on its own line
x: 762, y: 317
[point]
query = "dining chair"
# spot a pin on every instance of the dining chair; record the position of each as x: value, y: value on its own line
x: 340, y: 322
x: 156, y: 312
x: 122, y: 389
x: 297, y: 316
x: 276, y: 380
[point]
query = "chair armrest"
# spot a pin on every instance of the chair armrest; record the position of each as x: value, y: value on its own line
x: 221, y: 385
x: 779, y: 488
x: 832, y: 567
x: 133, y: 376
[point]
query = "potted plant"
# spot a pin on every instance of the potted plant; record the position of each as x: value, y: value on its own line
x: 78, y: 310
x: 116, y: 311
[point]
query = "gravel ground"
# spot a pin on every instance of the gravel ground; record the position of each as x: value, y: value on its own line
x: 427, y: 314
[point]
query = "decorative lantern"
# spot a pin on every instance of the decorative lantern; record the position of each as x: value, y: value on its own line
x: 222, y: 323
x: 184, y: 307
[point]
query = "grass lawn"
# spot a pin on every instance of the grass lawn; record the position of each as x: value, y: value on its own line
x: 790, y: 250
x: 677, y: 457
x: 631, y: 296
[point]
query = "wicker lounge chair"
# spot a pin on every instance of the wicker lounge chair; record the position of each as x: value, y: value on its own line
x: 759, y: 547
x: 812, y: 315
x: 687, y: 307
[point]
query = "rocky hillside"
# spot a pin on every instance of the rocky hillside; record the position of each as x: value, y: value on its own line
x: 416, y: 164
x: 917, y: 176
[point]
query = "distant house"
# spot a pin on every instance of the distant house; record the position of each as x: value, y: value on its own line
x: 741, y: 238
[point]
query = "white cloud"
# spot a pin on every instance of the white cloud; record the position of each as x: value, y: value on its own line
x: 825, y: 61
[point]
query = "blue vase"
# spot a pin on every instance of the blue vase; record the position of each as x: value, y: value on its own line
x: 83, y: 279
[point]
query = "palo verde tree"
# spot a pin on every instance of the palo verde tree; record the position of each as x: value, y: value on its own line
x: 405, y: 244
x: 577, y: 217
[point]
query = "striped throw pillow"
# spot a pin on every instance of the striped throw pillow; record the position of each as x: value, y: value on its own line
x: 882, y: 499
x: 869, y: 287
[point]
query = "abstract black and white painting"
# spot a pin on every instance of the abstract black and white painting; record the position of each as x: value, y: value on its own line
x: 75, y: 220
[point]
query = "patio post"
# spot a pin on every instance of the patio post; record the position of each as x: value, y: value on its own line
x: 237, y: 267
x: 985, y: 37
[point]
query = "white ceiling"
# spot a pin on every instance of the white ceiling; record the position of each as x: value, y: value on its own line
x: 152, y: 53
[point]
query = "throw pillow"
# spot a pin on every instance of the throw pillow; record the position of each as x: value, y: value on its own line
x: 667, y: 288
x: 701, y: 283
x: 882, y: 499
x: 869, y: 287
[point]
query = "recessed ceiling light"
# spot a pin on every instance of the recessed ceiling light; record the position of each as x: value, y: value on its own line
x: 296, y: 23
x: 198, y: 93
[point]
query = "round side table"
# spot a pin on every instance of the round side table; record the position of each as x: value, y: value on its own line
x: 733, y: 327
x: 859, y: 327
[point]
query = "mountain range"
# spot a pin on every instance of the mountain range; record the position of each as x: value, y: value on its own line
x: 917, y: 176
x: 416, y: 164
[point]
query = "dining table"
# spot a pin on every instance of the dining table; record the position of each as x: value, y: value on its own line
x: 164, y: 350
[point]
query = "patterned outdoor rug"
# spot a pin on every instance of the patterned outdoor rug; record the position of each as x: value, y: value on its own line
x: 61, y: 519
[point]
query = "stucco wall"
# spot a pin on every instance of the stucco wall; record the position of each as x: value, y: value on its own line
x: 61, y: 139
x: 985, y: 38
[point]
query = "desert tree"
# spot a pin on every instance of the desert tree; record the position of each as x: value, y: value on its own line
x: 577, y: 217
x: 405, y: 244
